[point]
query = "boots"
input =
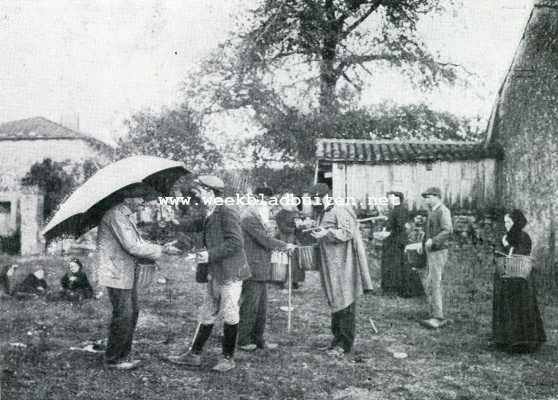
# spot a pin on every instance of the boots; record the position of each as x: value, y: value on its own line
x: 229, y: 343
x: 193, y: 356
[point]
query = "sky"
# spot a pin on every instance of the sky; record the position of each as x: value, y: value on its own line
x: 105, y: 60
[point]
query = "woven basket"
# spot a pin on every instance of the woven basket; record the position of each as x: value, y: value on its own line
x: 514, y: 266
x: 518, y: 266
x: 279, y: 266
x: 308, y: 257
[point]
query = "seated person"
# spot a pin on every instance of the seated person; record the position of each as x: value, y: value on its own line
x: 7, y: 279
x: 75, y: 284
x: 33, y: 285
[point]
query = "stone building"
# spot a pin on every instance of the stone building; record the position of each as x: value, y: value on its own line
x: 22, y: 144
x: 524, y: 122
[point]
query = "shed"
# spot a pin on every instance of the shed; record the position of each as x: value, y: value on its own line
x: 364, y: 170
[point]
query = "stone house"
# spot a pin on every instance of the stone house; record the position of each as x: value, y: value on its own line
x: 22, y: 144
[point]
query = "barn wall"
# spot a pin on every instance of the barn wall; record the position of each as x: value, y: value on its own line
x: 527, y: 129
x: 465, y: 184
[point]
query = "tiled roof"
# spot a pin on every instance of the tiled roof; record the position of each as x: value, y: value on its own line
x: 381, y: 151
x: 41, y: 128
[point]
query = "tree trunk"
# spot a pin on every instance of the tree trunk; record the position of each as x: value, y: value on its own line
x: 328, y: 74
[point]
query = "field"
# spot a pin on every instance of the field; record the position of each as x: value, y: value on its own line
x: 453, y: 363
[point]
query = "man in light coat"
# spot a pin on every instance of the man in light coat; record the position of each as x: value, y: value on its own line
x: 120, y: 248
x: 343, y: 266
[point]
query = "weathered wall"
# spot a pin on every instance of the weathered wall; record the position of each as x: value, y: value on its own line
x: 31, y: 216
x: 17, y: 156
x: 465, y: 184
x: 526, y: 126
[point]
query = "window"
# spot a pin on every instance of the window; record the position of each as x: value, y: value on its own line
x: 5, y: 207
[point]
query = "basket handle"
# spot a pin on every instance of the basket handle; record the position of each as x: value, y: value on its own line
x: 511, y: 252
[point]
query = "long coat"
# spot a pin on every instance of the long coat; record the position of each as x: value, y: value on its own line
x: 392, y: 250
x: 344, y: 266
x: 258, y: 245
x: 516, y: 320
x: 120, y: 249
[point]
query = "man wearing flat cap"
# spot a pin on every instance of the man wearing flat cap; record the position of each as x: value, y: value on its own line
x: 343, y: 267
x: 120, y: 249
x: 435, y: 243
x: 228, y: 267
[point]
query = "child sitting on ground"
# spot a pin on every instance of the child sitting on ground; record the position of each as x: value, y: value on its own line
x: 33, y: 285
x: 75, y: 284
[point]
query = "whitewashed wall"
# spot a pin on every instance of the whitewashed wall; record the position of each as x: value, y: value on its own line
x: 463, y: 183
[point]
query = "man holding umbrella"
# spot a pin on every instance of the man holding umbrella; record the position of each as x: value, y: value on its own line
x: 119, y: 250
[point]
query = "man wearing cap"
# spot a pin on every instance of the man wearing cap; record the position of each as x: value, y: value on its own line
x: 344, y: 267
x: 435, y: 243
x: 228, y: 267
x: 120, y: 248
x: 258, y: 245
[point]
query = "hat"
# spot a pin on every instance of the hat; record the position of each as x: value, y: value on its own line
x: 140, y: 190
x: 433, y: 191
x: 211, y: 181
x: 263, y: 191
x: 319, y: 189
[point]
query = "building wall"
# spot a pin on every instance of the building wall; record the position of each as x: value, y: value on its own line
x: 17, y: 156
x: 464, y: 184
x: 527, y: 128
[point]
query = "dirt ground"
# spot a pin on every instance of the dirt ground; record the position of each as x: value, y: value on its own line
x: 453, y: 363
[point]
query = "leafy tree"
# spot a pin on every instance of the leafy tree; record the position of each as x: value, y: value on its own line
x: 299, y: 66
x: 53, y: 180
x: 293, y: 137
x: 171, y: 133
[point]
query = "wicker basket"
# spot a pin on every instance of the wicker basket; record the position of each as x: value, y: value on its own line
x: 308, y: 257
x: 279, y: 266
x: 514, y: 266
x: 414, y: 258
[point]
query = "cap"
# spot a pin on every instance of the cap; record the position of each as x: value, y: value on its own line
x: 211, y: 181
x: 319, y: 189
x: 140, y: 190
x: 433, y: 191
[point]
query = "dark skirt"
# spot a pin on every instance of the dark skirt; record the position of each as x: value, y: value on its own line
x: 517, y: 325
x: 411, y: 282
x: 392, y: 266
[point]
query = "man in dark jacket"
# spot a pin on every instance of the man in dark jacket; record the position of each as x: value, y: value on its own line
x: 438, y: 230
x: 228, y: 267
x: 258, y: 245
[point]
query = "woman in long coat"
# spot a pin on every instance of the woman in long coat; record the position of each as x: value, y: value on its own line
x: 517, y: 325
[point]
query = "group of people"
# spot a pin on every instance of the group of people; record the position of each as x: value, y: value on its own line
x: 235, y: 268
x: 516, y: 319
x: 237, y: 264
x: 74, y: 285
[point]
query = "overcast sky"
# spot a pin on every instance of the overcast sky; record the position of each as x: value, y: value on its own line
x: 106, y: 59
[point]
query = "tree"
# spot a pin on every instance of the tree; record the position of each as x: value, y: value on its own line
x: 56, y: 184
x: 300, y: 65
x: 171, y: 133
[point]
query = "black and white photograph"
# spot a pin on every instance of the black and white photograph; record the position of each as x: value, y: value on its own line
x: 279, y: 200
